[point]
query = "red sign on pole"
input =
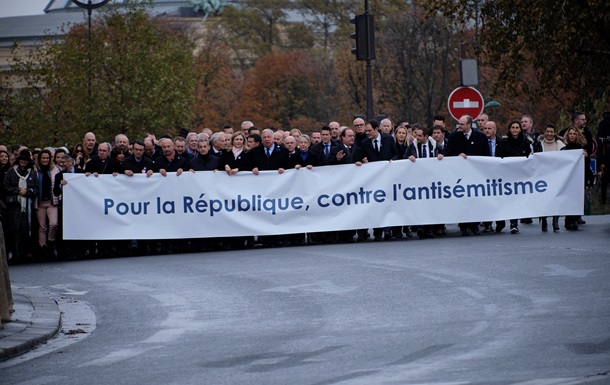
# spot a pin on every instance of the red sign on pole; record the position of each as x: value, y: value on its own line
x: 465, y: 101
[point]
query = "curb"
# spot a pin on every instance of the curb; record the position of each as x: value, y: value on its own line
x: 36, y: 320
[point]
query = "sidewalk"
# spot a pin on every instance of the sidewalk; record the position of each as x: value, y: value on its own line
x: 36, y: 320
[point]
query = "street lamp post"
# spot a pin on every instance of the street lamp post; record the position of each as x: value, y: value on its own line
x: 90, y: 5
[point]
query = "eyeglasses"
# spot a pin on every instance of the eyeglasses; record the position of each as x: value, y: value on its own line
x: 359, y: 125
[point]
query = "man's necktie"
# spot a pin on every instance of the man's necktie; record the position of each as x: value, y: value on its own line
x: 326, y: 150
x: 424, y: 151
x: 491, y: 148
x: 376, y: 146
x: 268, y: 153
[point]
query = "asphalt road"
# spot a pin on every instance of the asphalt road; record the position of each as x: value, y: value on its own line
x: 528, y: 309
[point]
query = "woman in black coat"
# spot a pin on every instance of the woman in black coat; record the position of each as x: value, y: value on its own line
x: 236, y: 156
x: 575, y: 140
x: 516, y: 143
x: 21, y: 188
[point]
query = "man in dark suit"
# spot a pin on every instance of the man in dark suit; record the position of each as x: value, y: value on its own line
x: 204, y: 161
x: 347, y: 152
x: 423, y: 147
x: 269, y: 156
x: 490, y: 130
x: 378, y: 147
x: 438, y: 134
x: 323, y: 149
x: 137, y: 163
x: 463, y: 142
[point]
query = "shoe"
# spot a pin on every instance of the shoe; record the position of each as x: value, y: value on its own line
x: 499, y: 228
x: 574, y: 227
x: 465, y: 233
x: 387, y: 236
x: 581, y: 221
x: 488, y: 228
x: 475, y: 231
x: 555, y: 224
x: 514, y: 230
x: 377, y: 238
x: 420, y: 233
x: 430, y: 235
x: 527, y: 221
x: 544, y: 226
x: 409, y: 234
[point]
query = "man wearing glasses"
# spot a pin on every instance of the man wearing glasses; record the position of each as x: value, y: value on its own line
x: 359, y: 130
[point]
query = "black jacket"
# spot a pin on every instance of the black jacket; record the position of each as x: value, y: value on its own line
x: 512, y: 147
x: 178, y: 162
x: 387, y: 151
x: 277, y: 160
x: 205, y: 163
x: 142, y: 166
x: 475, y: 145
x: 107, y: 166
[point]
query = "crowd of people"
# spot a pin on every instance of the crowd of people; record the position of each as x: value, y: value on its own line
x: 32, y: 179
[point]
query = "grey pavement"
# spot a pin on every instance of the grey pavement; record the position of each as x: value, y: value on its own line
x: 36, y: 319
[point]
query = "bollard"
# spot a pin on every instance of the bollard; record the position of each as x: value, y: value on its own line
x: 6, y: 295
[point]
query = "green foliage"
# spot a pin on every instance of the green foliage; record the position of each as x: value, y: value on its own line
x: 253, y: 27
x: 141, y: 74
x: 541, y: 49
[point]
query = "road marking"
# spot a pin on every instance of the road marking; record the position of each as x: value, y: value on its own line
x: 435, y: 278
x: 563, y: 381
x: 471, y: 292
x: 325, y: 287
x: 558, y: 270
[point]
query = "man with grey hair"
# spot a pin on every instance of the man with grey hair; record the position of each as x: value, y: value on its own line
x: 122, y: 140
x: 218, y: 144
x: 385, y: 126
x: 245, y: 126
x: 527, y: 122
x: 191, y: 144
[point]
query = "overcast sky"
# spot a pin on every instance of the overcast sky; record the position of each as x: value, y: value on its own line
x: 22, y: 7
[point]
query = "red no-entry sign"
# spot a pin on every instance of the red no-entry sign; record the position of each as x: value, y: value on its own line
x: 465, y: 101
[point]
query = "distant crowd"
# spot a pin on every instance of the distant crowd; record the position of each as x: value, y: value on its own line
x: 32, y: 179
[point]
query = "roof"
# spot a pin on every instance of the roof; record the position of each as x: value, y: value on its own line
x: 62, y: 13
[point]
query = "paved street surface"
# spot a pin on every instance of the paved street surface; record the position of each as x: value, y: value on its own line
x: 528, y: 309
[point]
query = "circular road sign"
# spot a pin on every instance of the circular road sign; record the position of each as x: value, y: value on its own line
x: 465, y: 101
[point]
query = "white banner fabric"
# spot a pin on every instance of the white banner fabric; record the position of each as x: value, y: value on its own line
x: 381, y: 194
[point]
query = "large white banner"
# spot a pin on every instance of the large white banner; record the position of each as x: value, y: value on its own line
x: 344, y: 197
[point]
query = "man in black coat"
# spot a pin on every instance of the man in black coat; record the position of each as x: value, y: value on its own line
x: 324, y: 148
x: 378, y: 147
x: 137, y: 163
x: 101, y: 163
x: 463, y: 142
x: 170, y: 161
x: 204, y: 161
x: 347, y: 152
x: 269, y: 156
